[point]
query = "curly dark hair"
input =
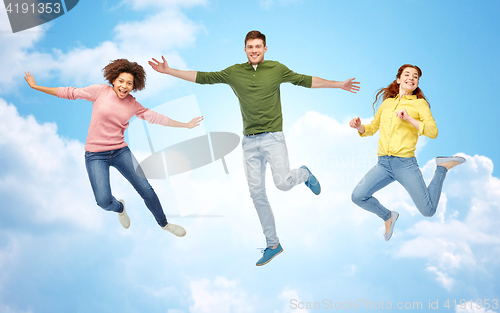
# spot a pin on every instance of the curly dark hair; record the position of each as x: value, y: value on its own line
x: 116, y: 67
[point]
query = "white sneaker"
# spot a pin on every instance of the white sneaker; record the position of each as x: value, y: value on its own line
x: 442, y: 159
x: 175, y: 229
x: 123, y: 217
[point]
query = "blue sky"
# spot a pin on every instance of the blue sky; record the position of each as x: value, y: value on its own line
x: 59, y: 252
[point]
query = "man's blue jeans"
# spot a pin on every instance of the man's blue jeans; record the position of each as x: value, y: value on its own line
x: 408, y: 174
x: 258, y: 150
x: 98, y: 164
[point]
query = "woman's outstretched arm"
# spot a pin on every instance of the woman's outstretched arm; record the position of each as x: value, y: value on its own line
x: 31, y: 81
x: 191, y: 124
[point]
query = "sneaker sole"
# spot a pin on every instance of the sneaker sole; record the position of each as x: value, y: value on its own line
x: 443, y: 159
x: 269, y: 259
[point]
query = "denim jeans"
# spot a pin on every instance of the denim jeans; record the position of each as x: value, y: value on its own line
x: 408, y: 174
x: 258, y: 150
x: 98, y: 163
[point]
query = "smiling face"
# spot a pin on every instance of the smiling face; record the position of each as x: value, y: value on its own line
x: 255, y: 49
x: 123, y: 84
x: 408, y: 81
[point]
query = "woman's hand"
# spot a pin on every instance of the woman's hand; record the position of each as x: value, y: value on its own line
x: 402, y: 114
x: 191, y: 124
x: 356, y: 123
x: 194, y: 122
x: 30, y: 80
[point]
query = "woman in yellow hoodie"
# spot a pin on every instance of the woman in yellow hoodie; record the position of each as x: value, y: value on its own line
x: 403, y: 116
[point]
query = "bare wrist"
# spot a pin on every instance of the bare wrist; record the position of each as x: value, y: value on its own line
x: 169, y: 71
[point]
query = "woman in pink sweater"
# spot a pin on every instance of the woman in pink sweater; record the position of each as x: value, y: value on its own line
x: 112, y: 109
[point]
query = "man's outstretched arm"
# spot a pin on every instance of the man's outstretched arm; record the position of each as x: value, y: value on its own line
x: 165, y: 69
x: 348, y: 85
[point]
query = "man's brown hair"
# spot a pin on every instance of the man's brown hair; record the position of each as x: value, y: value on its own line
x: 255, y: 34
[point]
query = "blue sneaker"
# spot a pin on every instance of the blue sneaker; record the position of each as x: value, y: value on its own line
x: 312, y: 182
x: 269, y: 254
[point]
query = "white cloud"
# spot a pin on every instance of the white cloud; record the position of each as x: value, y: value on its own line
x: 465, y: 236
x: 139, y: 41
x: 443, y: 278
x: 221, y: 296
x: 42, y: 176
x: 159, y: 34
x: 8, y: 255
x: 81, y: 65
x: 14, y: 52
x: 293, y: 302
x: 9, y: 258
x: 461, y: 238
x: 163, y: 31
x: 339, y: 158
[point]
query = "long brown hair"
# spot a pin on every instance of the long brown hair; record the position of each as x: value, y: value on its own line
x: 393, y: 89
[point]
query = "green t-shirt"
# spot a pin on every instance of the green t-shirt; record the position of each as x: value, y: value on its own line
x: 258, y: 91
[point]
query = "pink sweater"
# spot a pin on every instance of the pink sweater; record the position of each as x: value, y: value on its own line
x: 110, y: 115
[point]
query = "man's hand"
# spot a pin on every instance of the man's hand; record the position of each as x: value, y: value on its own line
x: 350, y: 86
x: 160, y: 67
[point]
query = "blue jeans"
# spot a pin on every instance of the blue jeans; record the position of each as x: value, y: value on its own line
x: 98, y: 163
x: 258, y: 150
x: 408, y: 174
